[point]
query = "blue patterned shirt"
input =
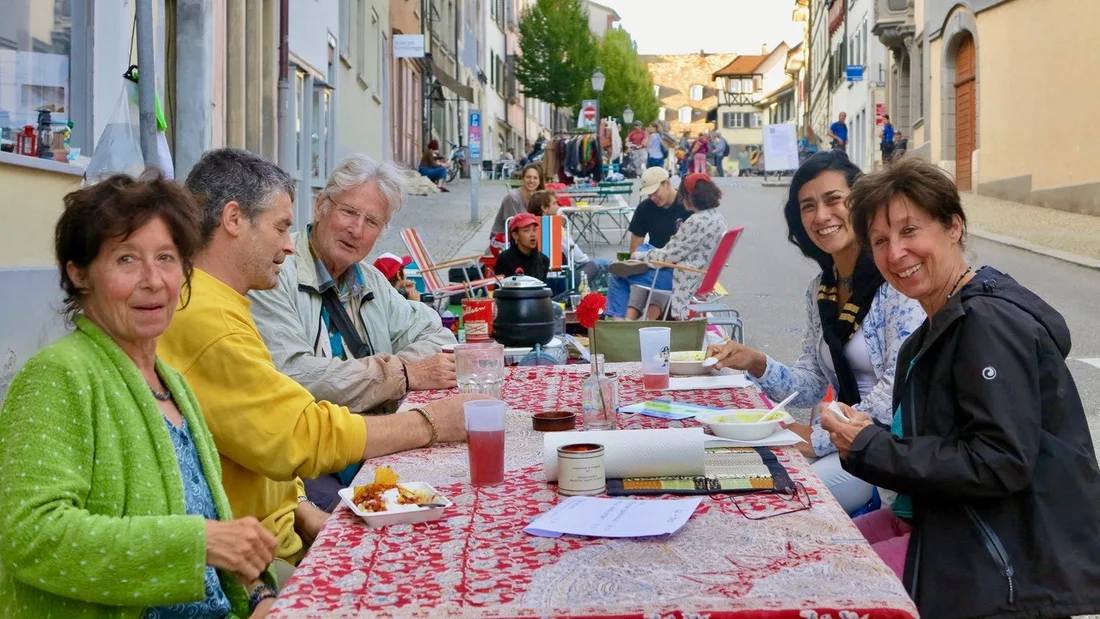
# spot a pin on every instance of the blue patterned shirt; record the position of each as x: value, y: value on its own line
x: 199, y: 503
x: 891, y: 318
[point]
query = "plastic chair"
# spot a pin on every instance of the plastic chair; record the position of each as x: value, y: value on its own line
x: 704, y: 302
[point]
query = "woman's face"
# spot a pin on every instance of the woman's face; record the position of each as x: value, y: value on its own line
x: 133, y: 285
x: 531, y: 180
x: 823, y: 205
x: 916, y: 254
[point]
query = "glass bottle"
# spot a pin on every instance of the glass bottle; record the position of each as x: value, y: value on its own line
x: 600, y: 399
x: 582, y: 288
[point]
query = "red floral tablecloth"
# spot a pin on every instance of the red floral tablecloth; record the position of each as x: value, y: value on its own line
x: 477, y: 562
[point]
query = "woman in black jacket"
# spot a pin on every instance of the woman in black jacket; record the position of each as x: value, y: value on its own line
x: 990, y: 452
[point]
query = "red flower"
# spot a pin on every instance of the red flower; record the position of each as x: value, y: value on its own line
x: 590, y: 309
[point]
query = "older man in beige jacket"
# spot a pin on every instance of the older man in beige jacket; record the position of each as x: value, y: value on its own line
x: 335, y: 324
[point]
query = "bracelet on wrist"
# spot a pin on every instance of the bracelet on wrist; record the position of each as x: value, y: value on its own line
x: 259, y: 594
x: 431, y: 422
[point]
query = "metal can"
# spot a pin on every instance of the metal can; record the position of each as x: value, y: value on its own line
x: 581, y: 470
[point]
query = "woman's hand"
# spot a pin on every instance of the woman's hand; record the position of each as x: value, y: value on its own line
x: 842, y: 433
x: 804, y: 432
x: 242, y: 547
x: 739, y: 357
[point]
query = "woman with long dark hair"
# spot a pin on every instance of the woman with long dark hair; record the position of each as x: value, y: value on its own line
x: 855, y: 322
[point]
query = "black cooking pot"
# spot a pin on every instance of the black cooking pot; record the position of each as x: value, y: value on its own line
x: 524, y: 313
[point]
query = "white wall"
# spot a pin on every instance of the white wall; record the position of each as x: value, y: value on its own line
x: 494, y: 107
x: 857, y: 99
x: 310, y: 23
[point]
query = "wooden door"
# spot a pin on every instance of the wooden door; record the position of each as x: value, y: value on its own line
x: 966, y: 128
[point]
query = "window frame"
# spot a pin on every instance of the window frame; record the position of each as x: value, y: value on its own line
x: 695, y: 93
x: 680, y: 114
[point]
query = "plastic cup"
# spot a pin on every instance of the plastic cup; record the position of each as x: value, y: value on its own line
x: 480, y: 368
x: 485, y: 429
x: 655, y: 343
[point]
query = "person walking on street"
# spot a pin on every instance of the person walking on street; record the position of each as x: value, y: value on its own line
x: 887, y: 144
x: 655, y: 149
x: 685, y: 158
x: 838, y: 131
x: 699, y: 150
x: 719, y: 148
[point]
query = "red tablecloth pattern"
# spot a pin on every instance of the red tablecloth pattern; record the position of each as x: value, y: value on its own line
x: 477, y: 562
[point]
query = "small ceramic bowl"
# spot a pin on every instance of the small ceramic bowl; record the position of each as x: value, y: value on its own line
x: 554, y: 421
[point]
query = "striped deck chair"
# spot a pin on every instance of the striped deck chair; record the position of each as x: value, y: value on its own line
x: 429, y: 270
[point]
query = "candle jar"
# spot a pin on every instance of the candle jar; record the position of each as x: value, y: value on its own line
x: 600, y: 399
x: 581, y: 470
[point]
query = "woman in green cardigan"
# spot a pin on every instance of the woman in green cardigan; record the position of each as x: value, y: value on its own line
x: 112, y: 503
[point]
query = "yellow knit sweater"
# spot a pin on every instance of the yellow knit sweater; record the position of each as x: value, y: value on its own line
x: 268, y: 429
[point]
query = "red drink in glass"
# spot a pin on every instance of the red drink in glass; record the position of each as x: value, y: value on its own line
x: 486, y: 457
x: 655, y: 382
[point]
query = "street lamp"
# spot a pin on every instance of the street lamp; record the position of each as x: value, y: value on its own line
x: 628, y: 115
x: 598, y: 81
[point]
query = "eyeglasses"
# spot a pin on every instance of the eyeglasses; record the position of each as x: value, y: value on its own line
x: 351, y: 216
x: 761, y: 506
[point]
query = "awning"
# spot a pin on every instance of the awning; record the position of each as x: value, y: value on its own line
x: 451, y: 83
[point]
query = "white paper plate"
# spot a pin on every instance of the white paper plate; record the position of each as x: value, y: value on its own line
x: 411, y: 516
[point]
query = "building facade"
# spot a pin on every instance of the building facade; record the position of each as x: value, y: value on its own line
x: 967, y: 109
x: 858, y: 86
x: 406, y: 88
x: 685, y: 89
x: 747, y: 89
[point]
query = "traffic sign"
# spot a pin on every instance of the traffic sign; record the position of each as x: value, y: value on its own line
x: 474, y: 136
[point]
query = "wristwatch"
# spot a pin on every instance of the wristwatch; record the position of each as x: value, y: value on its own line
x: 304, y: 499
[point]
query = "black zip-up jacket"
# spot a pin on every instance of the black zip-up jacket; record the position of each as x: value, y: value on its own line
x: 997, y: 457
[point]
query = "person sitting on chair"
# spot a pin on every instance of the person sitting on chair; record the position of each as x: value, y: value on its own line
x: 523, y: 253
x: 595, y: 269
x: 691, y: 246
x: 392, y: 267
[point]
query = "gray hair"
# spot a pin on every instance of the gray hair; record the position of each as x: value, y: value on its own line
x: 358, y: 169
x: 235, y: 175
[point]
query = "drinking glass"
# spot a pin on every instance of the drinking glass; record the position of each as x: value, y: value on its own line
x: 480, y: 368
x: 655, y: 342
x: 485, y: 429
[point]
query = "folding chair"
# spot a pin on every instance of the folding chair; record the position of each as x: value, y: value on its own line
x: 429, y: 270
x: 617, y: 340
x: 704, y: 300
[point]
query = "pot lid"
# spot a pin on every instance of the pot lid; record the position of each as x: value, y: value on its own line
x: 521, y: 281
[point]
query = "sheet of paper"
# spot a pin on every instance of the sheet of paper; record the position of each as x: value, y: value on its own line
x: 721, y: 381
x: 595, y: 517
x: 781, y: 438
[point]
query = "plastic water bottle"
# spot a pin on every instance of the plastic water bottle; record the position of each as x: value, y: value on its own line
x: 559, y: 319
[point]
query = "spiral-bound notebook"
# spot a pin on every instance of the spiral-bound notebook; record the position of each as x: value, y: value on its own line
x: 728, y: 470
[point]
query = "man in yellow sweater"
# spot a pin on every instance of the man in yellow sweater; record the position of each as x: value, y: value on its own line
x: 269, y: 430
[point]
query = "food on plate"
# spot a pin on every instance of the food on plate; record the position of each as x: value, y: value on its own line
x: 687, y: 355
x: 386, y: 495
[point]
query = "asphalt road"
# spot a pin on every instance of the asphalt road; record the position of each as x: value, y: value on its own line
x: 767, y: 279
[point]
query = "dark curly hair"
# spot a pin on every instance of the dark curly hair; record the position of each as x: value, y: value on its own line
x: 117, y: 207
x: 706, y: 196
x: 824, y: 161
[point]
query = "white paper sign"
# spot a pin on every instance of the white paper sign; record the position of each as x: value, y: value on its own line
x: 780, y: 148
x: 408, y: 46
x: 593, y: 517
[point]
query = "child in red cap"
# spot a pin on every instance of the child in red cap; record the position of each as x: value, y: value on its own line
x: 392, y: 267
x: 523, y: 253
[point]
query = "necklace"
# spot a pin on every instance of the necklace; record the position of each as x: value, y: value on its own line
x: 955, y: 289
x: 163, y: 396
x: 844, y: 282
